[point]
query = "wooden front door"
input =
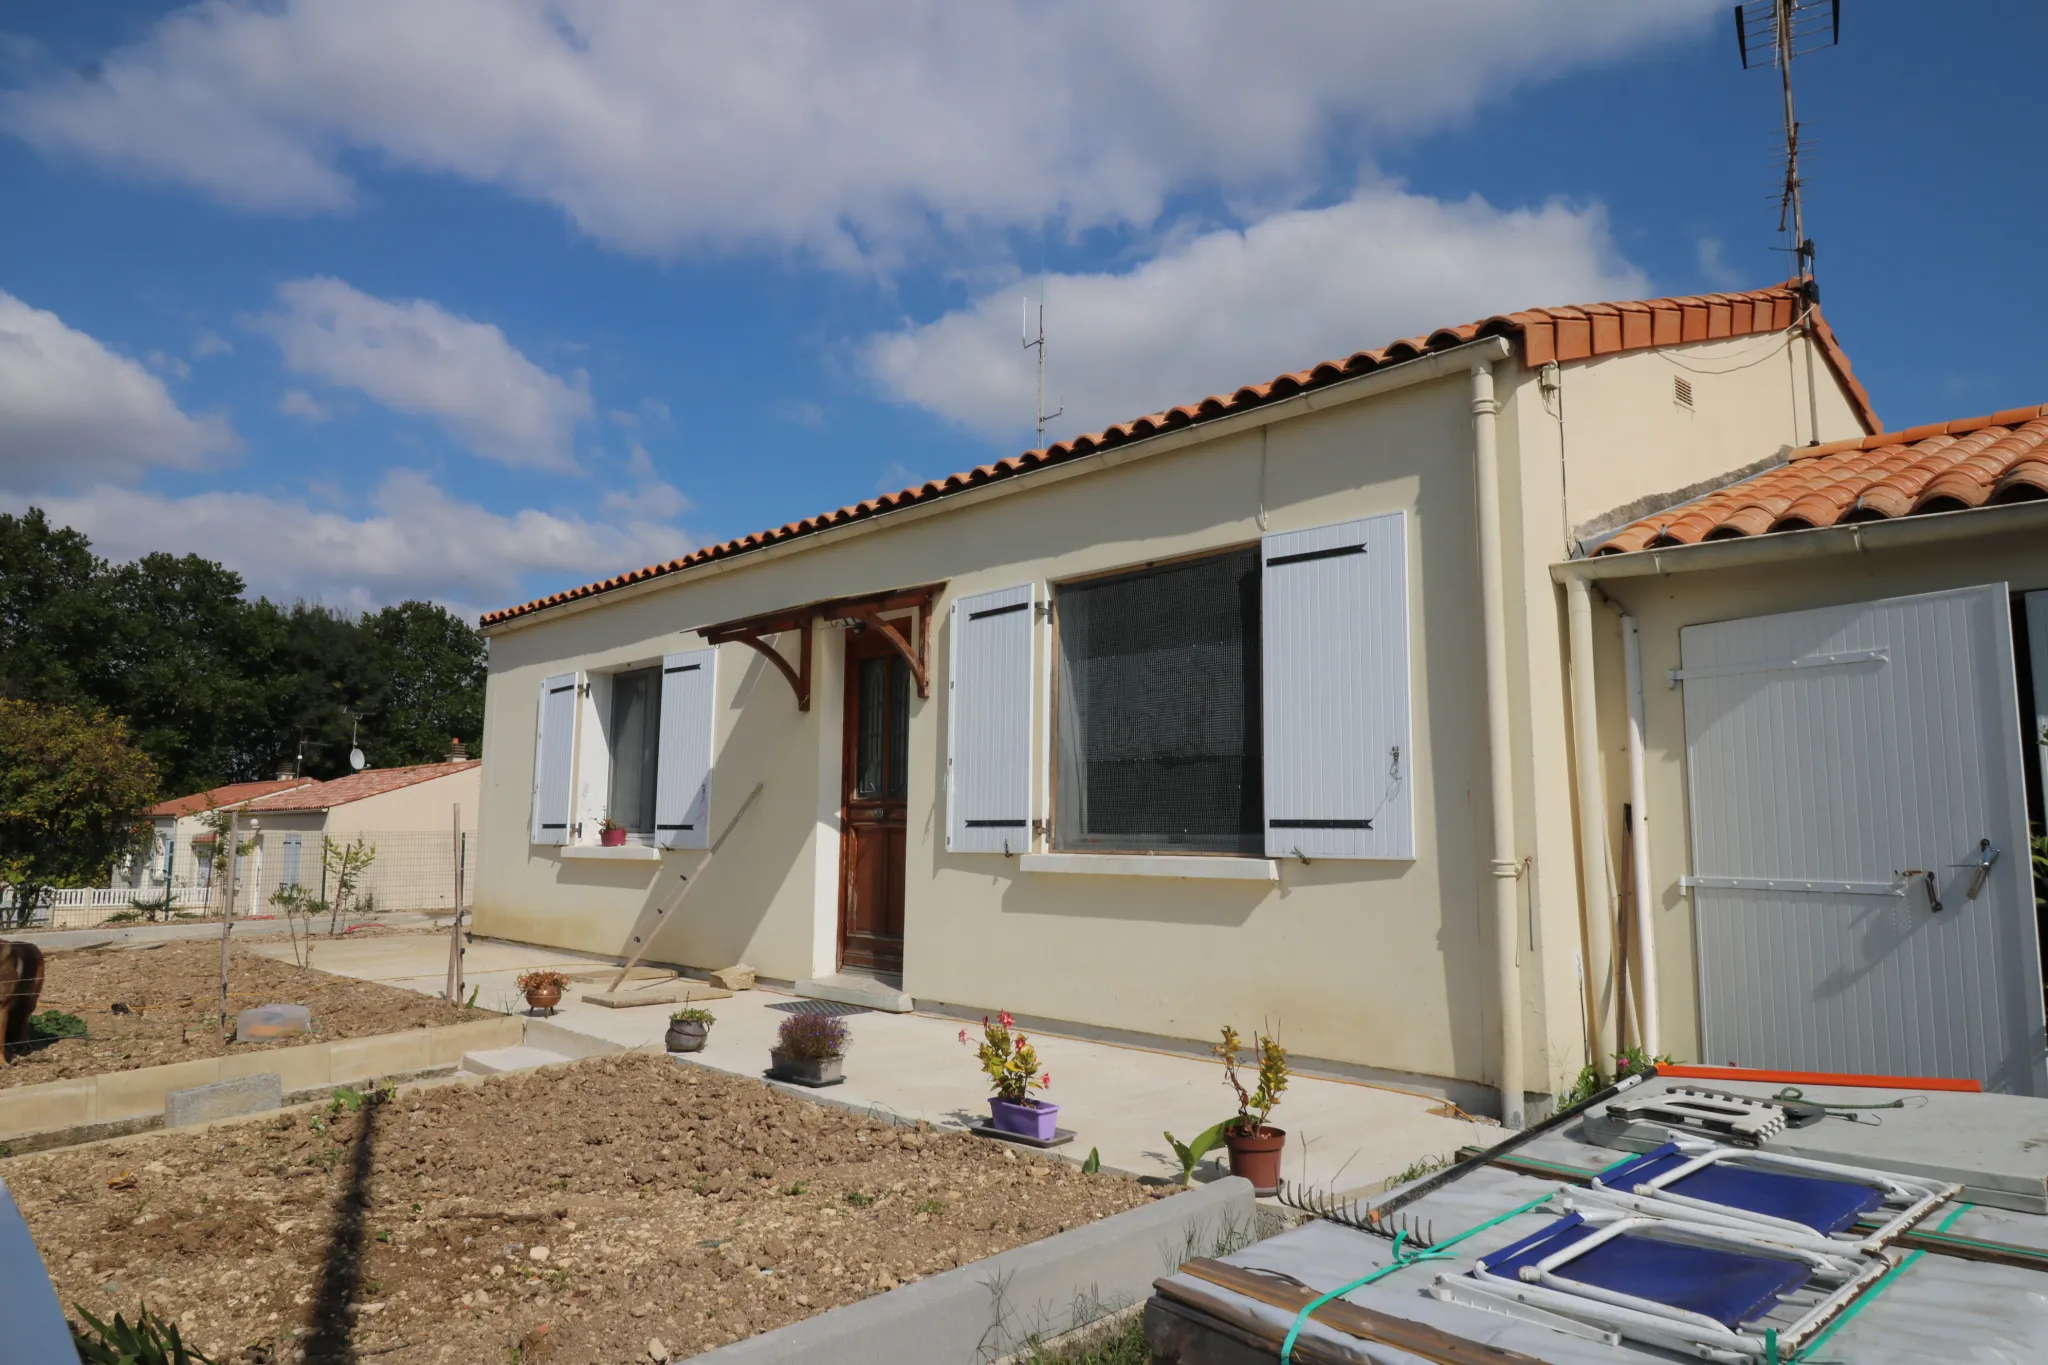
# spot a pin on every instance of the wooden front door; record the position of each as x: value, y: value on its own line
x: 873, y: 790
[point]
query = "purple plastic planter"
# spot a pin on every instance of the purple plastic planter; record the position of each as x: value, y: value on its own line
x: 1032, y: 1118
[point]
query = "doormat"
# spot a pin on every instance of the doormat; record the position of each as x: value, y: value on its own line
x: 818, y: 1007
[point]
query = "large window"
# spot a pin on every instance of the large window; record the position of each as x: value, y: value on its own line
x: 1157, y: 725
x: 635, y: 736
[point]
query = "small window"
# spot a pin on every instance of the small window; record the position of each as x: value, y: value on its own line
x: 1157, y: 729
x: 635, y: 737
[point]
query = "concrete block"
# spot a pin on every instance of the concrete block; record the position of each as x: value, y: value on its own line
x: 739, y: 978
x: 223, y: 1100
x: 680, y: 993
x: 268, y: 1023
x: 49, y: 1104
x: 596, y: 976
x: 996, y: 1305
x: 129, y: 1094
x: 449, y: 1042
x: 864, y: 991
x: 568, y: 1042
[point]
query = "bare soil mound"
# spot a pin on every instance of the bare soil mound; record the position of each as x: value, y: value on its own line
x: 578, y: 1214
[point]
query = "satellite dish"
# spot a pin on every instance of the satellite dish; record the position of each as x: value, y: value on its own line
x: 356, y: 759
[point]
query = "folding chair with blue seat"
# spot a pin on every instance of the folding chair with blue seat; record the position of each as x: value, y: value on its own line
x: 1704, y: 1289
x: 1815, y: 1204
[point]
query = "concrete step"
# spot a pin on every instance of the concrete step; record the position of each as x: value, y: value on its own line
x: 848, y: 989
x: 497, y: 1060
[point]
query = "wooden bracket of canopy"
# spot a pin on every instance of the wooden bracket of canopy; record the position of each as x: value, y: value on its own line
x: 913, y: 641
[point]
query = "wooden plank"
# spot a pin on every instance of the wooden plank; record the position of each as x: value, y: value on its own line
x: 1177, y: 1332
x: 690, y: 884
x: 1366, y: 1324
x: 1738, y: 1073
x: 678, y: 993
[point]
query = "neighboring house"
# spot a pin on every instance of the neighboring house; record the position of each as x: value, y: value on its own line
x: 178, y: 823
x: 1250, y: 712
x: 1843, y: 668
x: 407, y: 815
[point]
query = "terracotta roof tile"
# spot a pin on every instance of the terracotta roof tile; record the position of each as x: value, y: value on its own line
x: 1545, y: 334
x: 1940, y: 467
x: 234, y: 794
x: 356, y: 786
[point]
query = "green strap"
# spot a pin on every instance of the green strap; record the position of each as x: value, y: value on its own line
x: 1862, y: 1300
x: 1402, y: 1257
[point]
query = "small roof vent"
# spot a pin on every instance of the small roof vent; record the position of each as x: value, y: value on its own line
x: 1681, y: 391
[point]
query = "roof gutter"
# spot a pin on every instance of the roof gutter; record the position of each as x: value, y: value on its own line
x: 1452, y: 362
x: 1781, y: 547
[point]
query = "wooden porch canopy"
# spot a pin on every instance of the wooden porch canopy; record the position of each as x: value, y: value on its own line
x: 854, y: 613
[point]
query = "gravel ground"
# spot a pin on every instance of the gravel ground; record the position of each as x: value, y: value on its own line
x: 581, y: 1215
x: 170, y: 993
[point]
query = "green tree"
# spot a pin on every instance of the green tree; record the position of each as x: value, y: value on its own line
x: 432, y: 667
x: 73, y: 789
x: 53, y: 616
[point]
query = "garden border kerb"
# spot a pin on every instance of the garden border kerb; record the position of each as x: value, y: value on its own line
x: 997, y: 1305
x: 115, y: 1096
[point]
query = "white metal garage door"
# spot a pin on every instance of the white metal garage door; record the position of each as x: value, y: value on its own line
x: 1835, y: 757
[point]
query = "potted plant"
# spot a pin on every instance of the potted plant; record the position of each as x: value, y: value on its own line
x: 1254, y: 1144
x: 809, y: 1049
x: 542, y: 988
x: 1011, y: 1064
x: 611, y: 833
x: 688, y: 1028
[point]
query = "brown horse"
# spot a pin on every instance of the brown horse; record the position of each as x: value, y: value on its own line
x: 21, y: 985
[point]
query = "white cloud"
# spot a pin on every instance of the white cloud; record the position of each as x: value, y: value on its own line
x: 415, y: 357
x: 649, y: 494
x: 165, y: 363
x: 1224, y: 309
x: 415, y: 541
x: 801, y: 412
x: 210, y: 343
x: 839, y: 127
x: 1715, y: 270
x: 299, y: 403
x: 72, y: 411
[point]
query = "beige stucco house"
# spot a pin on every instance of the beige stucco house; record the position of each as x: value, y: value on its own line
x: 1254, y: 711
x: 177, y: 822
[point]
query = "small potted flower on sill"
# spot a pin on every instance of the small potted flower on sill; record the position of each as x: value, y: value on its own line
x: 542, y: 989
x: 611, y: 833
x: 688, y: 1028
x: 810, y: 1049
x: 1254, y: 1145
x: 1011, y: 1064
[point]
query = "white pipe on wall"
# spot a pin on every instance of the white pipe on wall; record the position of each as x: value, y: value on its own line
x: 1504, y: 866
x: 1592, y: 828
x: 1645, y: 992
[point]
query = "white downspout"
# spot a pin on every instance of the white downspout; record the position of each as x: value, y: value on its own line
x: 1499, y: 757
x: 1639, y: 838
x: 1593, y: 871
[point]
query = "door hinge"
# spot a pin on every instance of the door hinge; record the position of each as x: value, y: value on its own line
x: 1042, y: 610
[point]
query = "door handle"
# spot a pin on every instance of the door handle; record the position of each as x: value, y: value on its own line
x: 1933, y: 891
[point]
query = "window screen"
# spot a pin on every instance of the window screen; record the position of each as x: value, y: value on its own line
x: 635, y: 740
x: 1158, y: 710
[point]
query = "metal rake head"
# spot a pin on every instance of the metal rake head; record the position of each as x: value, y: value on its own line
x: 1318, y: 1203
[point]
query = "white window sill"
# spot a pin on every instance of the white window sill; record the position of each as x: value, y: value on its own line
x: 630, y: 853
x: 1154, y: 865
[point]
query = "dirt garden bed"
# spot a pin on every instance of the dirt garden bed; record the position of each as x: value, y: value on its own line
x: 170, y: 994
x: 575, y: 1215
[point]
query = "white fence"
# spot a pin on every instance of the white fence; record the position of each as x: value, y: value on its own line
x: 411, y: 870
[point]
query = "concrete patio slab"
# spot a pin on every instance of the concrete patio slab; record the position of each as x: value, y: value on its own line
x: 1119, y: 1099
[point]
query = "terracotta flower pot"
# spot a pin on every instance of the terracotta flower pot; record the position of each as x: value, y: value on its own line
x: 1031, y: 1118
x: 684, y: 1036
x: 1255, y: 1155
x: 612, y: 838
x: 544, y: 997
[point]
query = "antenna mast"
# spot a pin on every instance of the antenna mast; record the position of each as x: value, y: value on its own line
x: 1772, y: 33
x: 1039, y: 341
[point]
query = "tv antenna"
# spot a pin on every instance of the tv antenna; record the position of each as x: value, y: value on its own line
x: 1772, y: 33
x: 355, y: 754
x: 1039, y: 341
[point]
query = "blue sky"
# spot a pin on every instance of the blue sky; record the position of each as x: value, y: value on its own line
x: 477, y: 299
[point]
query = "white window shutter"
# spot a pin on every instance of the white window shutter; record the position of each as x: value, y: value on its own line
x: 988, y: 723
x: 1338, y: 755
x: 553, y: 759
x: 682, y: 775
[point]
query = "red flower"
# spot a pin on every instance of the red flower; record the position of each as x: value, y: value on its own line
x: 1046, y: 1079
x: 963, y: 1035
x: 1005, y: 1019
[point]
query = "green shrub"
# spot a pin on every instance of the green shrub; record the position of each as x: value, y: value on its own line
x: 149, y: 1341
x: 54, y: 1024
